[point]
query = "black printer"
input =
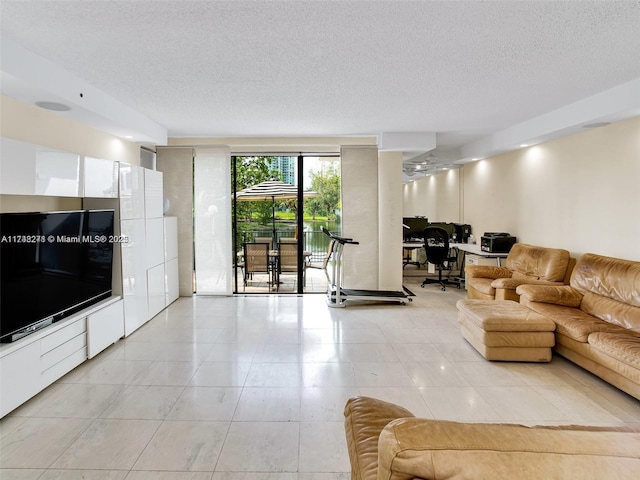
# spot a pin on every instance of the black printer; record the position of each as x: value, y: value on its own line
x: 496, y: 242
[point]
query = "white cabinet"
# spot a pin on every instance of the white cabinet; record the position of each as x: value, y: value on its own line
x: 146, y: 286
x: 19, y: 377
x: 155, y: 286
x: 131, y: 191
x: 170, y: 238
x: 17, y: 167
x: 153, y: 194
x: 28, y: 169
x: 155, y: 241
x: 62, y: 350
x: 100, y: 178
x: 104, y: 328
x: 58, y: 174
x: 171, y: 283
x: 134, y: 274
x: 34, y: 362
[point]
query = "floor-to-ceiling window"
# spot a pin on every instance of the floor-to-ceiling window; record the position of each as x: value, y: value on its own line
x: 281, y: 203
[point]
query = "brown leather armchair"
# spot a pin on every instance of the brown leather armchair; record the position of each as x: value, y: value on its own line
x: 525, y: 264
x: 385, y: 441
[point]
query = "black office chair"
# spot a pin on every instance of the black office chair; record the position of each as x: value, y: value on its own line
x: 436, y: 245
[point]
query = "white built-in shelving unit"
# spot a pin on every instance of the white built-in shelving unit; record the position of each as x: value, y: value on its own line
x: 145, y: 273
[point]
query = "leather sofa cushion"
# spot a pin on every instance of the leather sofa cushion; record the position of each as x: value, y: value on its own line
x: 437, y: 449
x: 502, y: 316
x: 556, y: 295
x: 622, y: 347
x: 364, y: 419
x: 609, y: 277
x: 573, y: 322
x: 538, y: 263
x: 518, y: 279
x: 612, y: 311
x: 483, y: 285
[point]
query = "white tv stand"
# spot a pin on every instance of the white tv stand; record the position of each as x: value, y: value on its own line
x: 34, y: 362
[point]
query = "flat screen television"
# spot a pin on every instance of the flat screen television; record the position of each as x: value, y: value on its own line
x: 52, y: 264
x: 414, y: 228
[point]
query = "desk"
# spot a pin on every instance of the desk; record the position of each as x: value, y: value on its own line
x: 475, y: 249
x: 411, y: 246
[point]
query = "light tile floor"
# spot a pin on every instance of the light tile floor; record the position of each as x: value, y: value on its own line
x: 253, y: 388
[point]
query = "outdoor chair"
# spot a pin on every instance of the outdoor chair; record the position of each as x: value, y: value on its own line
x: 256, y: 260
x: 267, y: 240
x: 288, y: 258
x: 325, y: 261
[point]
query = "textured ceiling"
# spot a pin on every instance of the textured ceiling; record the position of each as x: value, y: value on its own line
x: 272, y: 68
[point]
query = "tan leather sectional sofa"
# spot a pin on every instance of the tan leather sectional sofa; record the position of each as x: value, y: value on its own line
x: 597, y: 318
x: 386, y: 442
x: 525, y: 264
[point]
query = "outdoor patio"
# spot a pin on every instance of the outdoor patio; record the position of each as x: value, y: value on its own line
x: 316, y: 282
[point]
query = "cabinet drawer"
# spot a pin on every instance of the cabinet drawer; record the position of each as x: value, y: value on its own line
x: 471, y: 259
x: 63, y: 351
x: 63, y: 335
x: 62, y: 368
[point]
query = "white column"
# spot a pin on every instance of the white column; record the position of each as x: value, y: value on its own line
x: 359, y: 180
x: 390, y: 220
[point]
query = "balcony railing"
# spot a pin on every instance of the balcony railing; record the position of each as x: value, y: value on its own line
x: 315, y: 242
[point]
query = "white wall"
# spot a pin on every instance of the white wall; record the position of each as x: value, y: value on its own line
x: 580, y: 192
x: 436, y: 197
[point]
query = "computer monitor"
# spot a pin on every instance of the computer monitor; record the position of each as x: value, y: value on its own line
x: 414, y: 227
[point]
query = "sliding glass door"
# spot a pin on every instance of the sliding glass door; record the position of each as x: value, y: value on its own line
x: 283, y: 201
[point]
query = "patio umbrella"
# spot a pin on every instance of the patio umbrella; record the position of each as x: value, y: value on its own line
x: 271, y: 190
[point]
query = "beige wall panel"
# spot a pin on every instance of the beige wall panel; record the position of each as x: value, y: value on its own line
x: 390, y: 220
x: 176, y: 164
x: 579, y: 192
x: 28, y: 123
x: 359, y: 178
x: 27, y: 203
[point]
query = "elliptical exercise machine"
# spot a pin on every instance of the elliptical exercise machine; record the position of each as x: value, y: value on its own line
x: 338, y: 296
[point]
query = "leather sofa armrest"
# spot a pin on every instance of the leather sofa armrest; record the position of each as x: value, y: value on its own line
x: 437, y: 449
x: 486, y: 271
x: 558, y: 295
x: 364, y: 419
x: 513, y: 283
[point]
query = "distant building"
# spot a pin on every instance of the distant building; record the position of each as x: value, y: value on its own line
x: 286, y: 167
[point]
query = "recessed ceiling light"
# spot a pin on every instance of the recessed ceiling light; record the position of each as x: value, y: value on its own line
x: 596, y: 125
x: 55, y: 106
x: 128, y: 137
x: 523, y: 145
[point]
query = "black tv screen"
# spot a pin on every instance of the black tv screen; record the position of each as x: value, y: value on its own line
x: 414, y: 227
x: 52, y: 264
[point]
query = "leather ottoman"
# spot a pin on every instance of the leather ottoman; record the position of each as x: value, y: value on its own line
x: 506, y: 331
